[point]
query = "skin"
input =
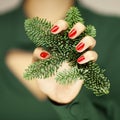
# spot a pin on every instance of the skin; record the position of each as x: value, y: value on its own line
x: 42, y: 89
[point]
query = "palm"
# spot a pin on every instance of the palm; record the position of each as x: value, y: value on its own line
x: 60, y: 92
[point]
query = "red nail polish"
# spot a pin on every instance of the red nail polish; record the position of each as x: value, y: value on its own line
x: 80, y: 59
x: 80, y: 46
x: 54, y: 29
x: 72, y: 33
x: 44, y: 54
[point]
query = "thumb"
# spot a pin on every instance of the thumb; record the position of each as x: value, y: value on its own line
x: 40, y: 54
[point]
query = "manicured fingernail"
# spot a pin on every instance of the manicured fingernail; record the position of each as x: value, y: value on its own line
x: 54, y: 29
x: 80, y: 46
x: 80, y: 59
x: 44, y: 54
x: 72, y: 33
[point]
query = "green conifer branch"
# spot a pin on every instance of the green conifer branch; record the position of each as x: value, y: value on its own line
x: 69, y: 76
x: 62, y: 49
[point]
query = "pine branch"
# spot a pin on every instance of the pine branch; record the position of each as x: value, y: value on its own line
x: 40, y: 69
x: 67, y: 76
x: 95, y: 79
x: 62, y: 48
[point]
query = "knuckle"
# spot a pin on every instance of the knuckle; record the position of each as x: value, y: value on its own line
x: 62, y: 23
x: 92, y: 55
x: 80, y: 26
x: 37, y: 50
x: 90, y: 40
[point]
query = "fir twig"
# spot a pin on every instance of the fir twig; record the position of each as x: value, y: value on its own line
x: 62, y: 48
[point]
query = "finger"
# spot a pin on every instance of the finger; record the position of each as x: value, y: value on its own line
x: 39, y: 53
x: 59, y: 26
x: 86, y: 42
x: 87, y: 56
x: 77, y: 29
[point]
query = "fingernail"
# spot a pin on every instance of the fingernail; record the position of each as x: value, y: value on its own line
x: 72, y: 33
x: 44, y: 54
x: 80, y: 46
x: 54, y: 29
x: 80, y: 59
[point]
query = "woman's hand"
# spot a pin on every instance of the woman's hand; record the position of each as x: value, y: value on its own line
x: 66, y: 93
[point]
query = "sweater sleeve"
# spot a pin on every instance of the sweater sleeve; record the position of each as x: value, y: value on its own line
x: 81, y: 108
